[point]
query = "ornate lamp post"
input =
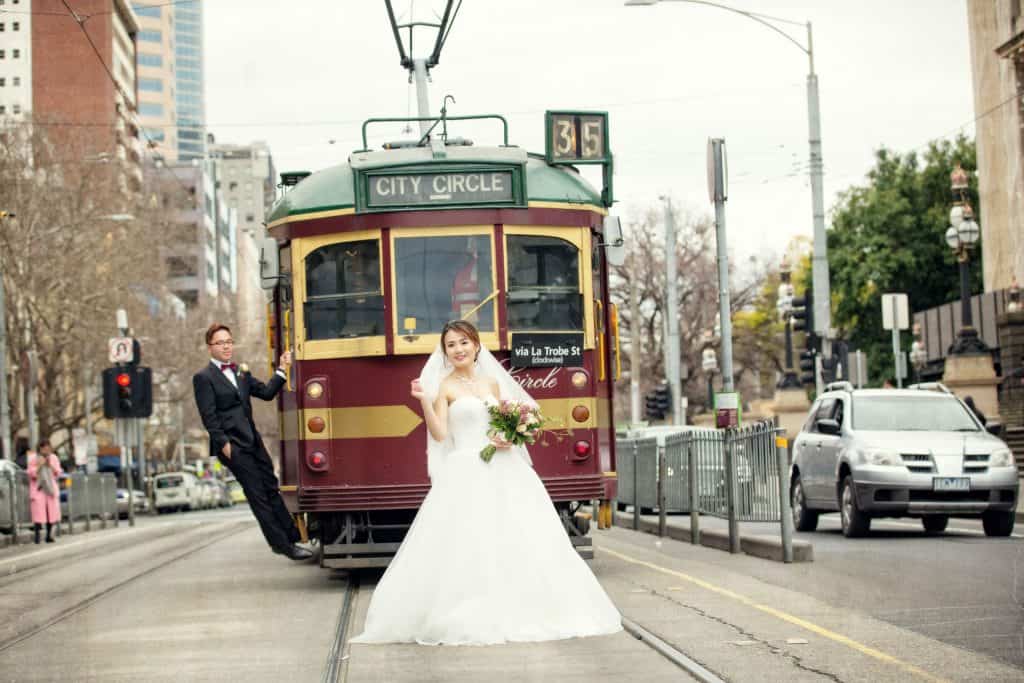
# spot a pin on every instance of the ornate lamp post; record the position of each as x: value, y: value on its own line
x: 961, y: 236
x: 784, y: 305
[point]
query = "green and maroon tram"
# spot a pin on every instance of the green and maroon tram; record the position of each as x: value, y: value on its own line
x: 375, y: 255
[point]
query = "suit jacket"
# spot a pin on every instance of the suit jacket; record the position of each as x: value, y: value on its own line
x: 227, y: 411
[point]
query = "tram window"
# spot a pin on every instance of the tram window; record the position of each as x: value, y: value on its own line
x: 444, y: 278
x: 343, y: 297
x: 543, y: 284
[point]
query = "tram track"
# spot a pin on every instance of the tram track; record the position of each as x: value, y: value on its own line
x: 173, y: 556
x: 335, y: 666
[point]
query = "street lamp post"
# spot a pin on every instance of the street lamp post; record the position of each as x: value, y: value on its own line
x: 961, y: 236
x: 819, y: 260
x: 784, y: 305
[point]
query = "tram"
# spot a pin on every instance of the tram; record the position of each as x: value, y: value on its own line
x: 367, y: 260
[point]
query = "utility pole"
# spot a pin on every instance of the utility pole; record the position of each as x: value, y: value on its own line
x: 635, y: 349
x: 717, y: 189
x: 819, y: 260
x: 5, y: 408
x: 672, y: 316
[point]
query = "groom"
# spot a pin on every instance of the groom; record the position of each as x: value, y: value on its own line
x: 222, y: 391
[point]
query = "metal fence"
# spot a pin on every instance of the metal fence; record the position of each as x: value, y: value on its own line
x: 733, y: 474
x: 85, y: 497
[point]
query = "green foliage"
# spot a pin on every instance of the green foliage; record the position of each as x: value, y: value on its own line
x: 888, y: 236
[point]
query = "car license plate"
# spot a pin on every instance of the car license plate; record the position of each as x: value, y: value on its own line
x: 951, y: 484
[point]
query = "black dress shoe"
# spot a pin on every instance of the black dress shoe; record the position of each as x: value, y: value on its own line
x: 295, y: 552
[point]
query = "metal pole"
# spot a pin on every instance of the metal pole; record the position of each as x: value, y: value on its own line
x: 129, y: 477
x: 724, y: 306
x: 87, y: 389
x: 634, y: 348
x: 671, y: 316
x: 181, y: 436
x: 786, y: 515
x: 88, y: 503
x: 422, y: 95
x: 820, y: 274
x: 967, y: 316
x: 30, y: 401
x: 5, y: 408
x: 13, y: 490
x: 896, y: 345
x: 691, y: 464
x: 636, y: 491
x: 730, y: 491
x: 71, y: 505
x: 140, y: 445
x: 662, y: 477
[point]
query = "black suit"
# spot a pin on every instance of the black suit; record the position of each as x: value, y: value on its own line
x: 227, y: 416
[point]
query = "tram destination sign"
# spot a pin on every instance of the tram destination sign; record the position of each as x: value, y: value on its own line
x: 546, y: 350
x: 449, y: 188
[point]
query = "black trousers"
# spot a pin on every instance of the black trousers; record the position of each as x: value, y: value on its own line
x: 254, y: 471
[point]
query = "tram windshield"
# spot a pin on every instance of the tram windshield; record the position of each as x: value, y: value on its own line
x: 445, y: 278
x: 343, y: 291
x: 543, y: 284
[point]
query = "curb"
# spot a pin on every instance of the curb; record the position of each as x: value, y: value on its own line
x: 26, y: 537
x: 765, y: 547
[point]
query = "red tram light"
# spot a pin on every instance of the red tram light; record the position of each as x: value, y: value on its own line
x: 124, y: 379
x: 581, y: 450
x: 317, y: 461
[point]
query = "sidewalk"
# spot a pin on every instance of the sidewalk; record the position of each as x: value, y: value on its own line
x: 27, y: 537
x: 714, y: 533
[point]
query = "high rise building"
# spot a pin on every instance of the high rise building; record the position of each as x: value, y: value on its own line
x: 189, y: 99
x: 75, y: 78
x: 157, y: 82
x: 996, y: 29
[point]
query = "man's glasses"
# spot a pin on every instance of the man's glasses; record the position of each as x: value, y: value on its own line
x: 225, y: 342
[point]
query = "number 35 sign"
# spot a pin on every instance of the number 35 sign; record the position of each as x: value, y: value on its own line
x: 576, y: 137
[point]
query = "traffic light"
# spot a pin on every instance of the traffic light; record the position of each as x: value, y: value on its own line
x: 807, y: 370
x: 651, y: 411
x: 663, y: 396
x: 127, y: 392
x: 803, y: 312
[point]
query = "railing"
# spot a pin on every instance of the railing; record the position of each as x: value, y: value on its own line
x: 732, y: 474
x: 88, y: 497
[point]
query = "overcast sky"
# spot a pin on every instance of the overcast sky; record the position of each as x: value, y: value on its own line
x: 303, y: 75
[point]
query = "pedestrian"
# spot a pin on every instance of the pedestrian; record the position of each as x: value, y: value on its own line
x: 44, y: 492
x: 969, y: 402
x: 222, y: 392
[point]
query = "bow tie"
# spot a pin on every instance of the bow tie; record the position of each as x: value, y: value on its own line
x: 225, y: 366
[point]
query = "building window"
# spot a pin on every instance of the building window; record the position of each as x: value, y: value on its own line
x: 151, y: 109
x: 2, y: 54
x: 147, y: 11
x: 150, y: 60
x: 151, y: 36
x: 249, y: 218
x: 16, y: 81
x: 1, y: 27
x: 15, y: 54
x: 151, y: 84
x: 15, y: 26
x: 16, y: 109
x: 3, y: 82
x: 3, y: 110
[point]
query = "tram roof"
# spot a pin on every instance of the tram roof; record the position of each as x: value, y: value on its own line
x: 334, y: 188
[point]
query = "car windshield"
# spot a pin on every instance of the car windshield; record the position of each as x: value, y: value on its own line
x: 911, y: 413
x: 168, y: 482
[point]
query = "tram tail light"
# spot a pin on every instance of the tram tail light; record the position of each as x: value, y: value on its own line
x: 317, y: 461
x: 581, y: 450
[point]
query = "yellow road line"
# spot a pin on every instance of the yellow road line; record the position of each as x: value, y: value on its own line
x: 784, y: 616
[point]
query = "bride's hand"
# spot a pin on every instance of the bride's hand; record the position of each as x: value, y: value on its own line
x: 417, y: 390
x: 499, y: 442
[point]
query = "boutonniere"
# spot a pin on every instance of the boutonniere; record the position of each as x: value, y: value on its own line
x: 244, y: 367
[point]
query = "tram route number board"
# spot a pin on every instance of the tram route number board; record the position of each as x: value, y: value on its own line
x: 546, y: 350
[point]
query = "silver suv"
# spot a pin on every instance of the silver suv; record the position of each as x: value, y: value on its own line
x: 900, y: 453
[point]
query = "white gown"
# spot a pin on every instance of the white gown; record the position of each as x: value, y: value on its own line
x: 486, y: 560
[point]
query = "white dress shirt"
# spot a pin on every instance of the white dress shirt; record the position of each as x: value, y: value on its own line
x: 230, y: 374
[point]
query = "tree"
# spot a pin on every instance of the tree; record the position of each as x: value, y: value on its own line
x: 887, y: 236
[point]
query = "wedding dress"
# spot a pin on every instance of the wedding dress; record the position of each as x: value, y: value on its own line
x: 486, y: 560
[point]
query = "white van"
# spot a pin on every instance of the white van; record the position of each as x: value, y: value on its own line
x: 176, y: 491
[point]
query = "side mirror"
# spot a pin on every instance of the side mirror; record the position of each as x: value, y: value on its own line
x: 270, y: 264
x: 615, y: 251
x: 828, y: 426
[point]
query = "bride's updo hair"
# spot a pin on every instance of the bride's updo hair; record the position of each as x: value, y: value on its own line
x: 465, y: 328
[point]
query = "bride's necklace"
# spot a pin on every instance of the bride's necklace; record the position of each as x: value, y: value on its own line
x: 468, y: 381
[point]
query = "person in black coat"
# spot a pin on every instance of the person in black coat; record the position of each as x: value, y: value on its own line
x: 969, y: 402
x: 223, y: 392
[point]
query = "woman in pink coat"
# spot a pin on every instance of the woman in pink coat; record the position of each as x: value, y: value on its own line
x: 44, y: 492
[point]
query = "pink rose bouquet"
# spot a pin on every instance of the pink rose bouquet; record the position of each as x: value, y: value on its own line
x: 514, y: 422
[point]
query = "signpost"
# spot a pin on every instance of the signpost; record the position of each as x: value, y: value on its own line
x: 727, y: 410
x: 121, y: 350
x: 896, y: 317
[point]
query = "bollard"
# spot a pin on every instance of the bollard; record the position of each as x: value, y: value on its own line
x: 691, y: 458
x: 730, y: 490
x: 636, y: 491
x: 662, y: 477
x: 785, y: 512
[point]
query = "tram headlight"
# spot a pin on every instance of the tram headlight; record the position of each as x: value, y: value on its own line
x: 317, y: 461
x: 581, y: 450
x: 579, y: 379
x: 314, y: 390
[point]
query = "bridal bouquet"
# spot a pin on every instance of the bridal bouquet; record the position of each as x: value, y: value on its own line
x: 515, y: 422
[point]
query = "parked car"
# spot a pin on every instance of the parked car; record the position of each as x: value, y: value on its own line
x: 235, y: 491
x: 176, y: 491
x: 916, y: 452
x: 139, y: 499
x: 223, y: 495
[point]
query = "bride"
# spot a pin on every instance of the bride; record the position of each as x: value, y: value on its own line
x: 486, y: 560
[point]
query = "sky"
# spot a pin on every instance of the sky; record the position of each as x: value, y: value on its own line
x: 303, y: 75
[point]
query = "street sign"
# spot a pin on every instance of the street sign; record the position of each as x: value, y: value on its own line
x: 895, y: 312
x: 121, y: 350
x: 727, y: 409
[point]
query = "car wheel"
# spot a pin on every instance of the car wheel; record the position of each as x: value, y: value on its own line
x: 804, y: 519
x: 855, y: 522
x: 998, y: 522
x: 935, y: 524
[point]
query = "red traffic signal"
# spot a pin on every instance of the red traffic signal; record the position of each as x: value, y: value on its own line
x: 124, y: 379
